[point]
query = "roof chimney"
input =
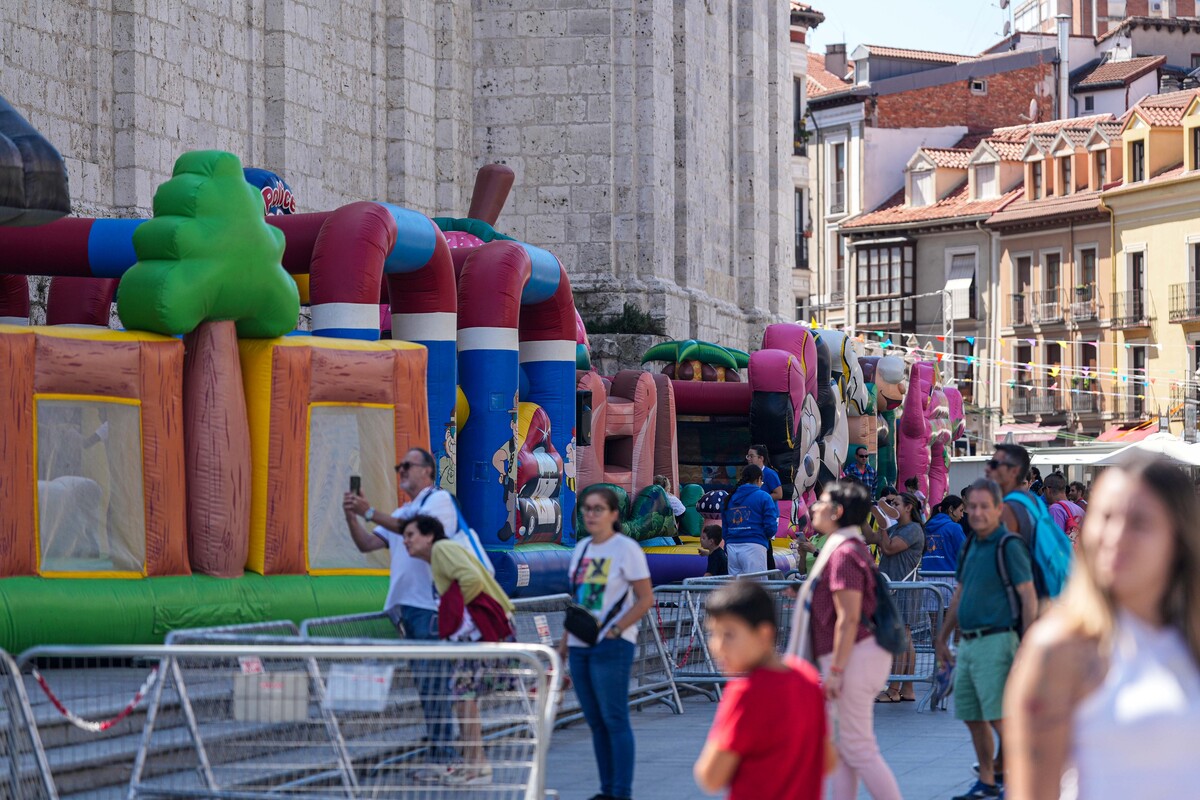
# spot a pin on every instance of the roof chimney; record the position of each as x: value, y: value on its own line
x: 1064, y: 65
x: 835, y: 59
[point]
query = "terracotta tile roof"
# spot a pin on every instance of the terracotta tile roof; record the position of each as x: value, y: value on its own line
x: 1111, y: 129
x: 949, y: 157
x: 1170, y: 23
x: 1165, y: 110
x: 1120, y: 73
x: 1077, y: 136
x: 1007, y: 150
x: 915, y: 55
x: 820, y: 80
x: 1021, y: 133
x: 1048, y: 207
x: 957, y: 203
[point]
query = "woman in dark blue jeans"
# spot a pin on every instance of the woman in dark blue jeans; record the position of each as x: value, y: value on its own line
x: 610, y: 578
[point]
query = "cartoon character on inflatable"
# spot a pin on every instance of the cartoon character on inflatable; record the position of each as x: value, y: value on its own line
x: 889, y: 375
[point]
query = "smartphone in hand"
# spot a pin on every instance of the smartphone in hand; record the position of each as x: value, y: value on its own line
x: 355, y: 484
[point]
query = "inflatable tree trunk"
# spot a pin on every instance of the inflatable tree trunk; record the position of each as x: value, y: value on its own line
x: 217, y: 437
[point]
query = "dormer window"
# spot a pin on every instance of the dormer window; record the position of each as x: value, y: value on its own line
x: 1195, y: 148
x: 986, y: 185
x: 921, y: 191
x: 1035, y: 192
x: 1137, y: 161
x: 1064, y: 175
x: 1100, y: 167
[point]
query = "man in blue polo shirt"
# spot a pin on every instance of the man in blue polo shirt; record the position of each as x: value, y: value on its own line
x: 758, y: 456
x: 995, y: 600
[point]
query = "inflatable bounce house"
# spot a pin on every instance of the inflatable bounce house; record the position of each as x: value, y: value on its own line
x: 189, y: 469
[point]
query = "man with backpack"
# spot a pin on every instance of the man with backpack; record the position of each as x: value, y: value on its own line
x: 1067, y: 515
x: 1025, y: 514
x: 994, y: 602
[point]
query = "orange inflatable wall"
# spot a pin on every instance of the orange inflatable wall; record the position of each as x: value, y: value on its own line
x: 92, y: 365
x: 283, y: 379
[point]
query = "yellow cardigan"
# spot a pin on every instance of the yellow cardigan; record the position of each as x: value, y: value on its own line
x: 451, y: 562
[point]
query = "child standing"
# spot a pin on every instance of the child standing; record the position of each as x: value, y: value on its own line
x: 747, y: 752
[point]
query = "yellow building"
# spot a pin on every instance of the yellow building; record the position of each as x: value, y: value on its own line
x: 1155, y: 312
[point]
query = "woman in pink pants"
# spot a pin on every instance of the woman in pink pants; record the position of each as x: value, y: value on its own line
x: 854, y: 667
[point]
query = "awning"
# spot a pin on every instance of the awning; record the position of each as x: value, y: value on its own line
x: 1022, y: 433
x: 1158, y: 444
x: 1129, y: 434
x: 960, y: 284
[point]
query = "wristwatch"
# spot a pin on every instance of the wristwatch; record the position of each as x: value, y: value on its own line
x: 370, y: 515
x: 616, y: 628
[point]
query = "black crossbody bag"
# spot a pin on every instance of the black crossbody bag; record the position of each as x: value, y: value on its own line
x: 578, y: 621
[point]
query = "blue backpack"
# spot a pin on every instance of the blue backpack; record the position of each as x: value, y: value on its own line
x: 1049, y: 547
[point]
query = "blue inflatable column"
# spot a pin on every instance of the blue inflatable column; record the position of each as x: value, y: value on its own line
x: 550, y: 366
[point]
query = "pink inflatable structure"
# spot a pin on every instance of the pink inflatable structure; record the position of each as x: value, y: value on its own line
x: 915, y: 431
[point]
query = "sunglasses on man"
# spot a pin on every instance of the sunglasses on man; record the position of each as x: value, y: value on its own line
x: 997, y: 464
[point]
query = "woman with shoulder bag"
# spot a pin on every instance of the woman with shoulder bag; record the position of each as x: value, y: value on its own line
x: 610, y: 584
x: 837, y: 599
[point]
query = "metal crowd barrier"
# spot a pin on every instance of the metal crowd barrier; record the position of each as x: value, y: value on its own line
x: 300, y: 720
x: 371, y: 625
x: 540, y: 620
x: 24, y: 768
x: 679, y: 612
x: 766, y: 575
x: 922, y: 606
x: 224, y: 634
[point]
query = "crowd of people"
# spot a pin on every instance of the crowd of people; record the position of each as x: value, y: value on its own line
x: 1079, y: 687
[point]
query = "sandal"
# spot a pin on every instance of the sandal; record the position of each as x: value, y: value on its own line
x: 884, y: 697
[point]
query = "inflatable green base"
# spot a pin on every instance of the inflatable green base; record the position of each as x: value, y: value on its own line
x: 35, y: 611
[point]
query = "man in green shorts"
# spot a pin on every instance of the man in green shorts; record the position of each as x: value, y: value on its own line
x: 991, y: 608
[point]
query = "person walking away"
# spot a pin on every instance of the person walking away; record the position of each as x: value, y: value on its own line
x: 710, y: 546
x: 993, y: 602
x: 852, y: 663
x: 748, y: 524
x: 944, y: 536
x: 610, y: 578
x: 901, y: 548
x: 1068, y: 516
x: 1104, y: 698
x: 471, y: 608
x: 411, y: 602
x: 744, y: 752
x: 861, y: 470
x: 759, y: 456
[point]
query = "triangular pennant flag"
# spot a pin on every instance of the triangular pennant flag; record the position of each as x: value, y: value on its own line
x: 971, y: 341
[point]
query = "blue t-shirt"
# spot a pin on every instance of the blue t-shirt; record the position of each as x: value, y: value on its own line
x: 771, y: 480
x: 944, y: 539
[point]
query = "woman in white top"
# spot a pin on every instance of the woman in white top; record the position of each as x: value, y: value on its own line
x: 610, y: 578
x: 1104, y: 698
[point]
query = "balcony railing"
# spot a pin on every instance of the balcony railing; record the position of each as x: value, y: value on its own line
x: 1019, y: 403
x: 1048, y: 308
x: 1130, y: 310
x: 1185, y: 302
x: 837, y: 197
x: 1045, y: 401
x: 1085, y: 305
x: 1133, y: 408
x: 1086, y: 401
x: 1017, y: 310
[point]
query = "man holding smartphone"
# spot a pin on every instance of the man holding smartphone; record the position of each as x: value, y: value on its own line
x: 412, y: 599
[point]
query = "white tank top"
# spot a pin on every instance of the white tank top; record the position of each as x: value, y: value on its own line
x: 1138, y: 735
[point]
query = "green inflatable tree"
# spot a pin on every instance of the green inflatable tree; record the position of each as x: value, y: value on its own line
x: 208, y: 255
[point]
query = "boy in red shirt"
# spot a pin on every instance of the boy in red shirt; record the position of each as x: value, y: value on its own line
x: 747, y: 751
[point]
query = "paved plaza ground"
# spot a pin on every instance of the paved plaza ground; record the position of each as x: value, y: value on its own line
x: 930, y: 752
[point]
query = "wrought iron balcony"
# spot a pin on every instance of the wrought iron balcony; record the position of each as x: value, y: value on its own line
x: 1048, y: 308
x: 1046, y: 401
x: 1130, y: 310
x: 1018, y: 315
x: 1086, y: 400
x: 1133, y: 408
x: 1085, y: 305
x: 1019, y: 403
x: 1185, y: 302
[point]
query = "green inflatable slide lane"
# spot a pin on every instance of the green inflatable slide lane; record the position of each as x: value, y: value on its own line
x: 35, y: 611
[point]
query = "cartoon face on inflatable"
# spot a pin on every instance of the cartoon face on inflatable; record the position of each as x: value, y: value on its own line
x: 891, y: 382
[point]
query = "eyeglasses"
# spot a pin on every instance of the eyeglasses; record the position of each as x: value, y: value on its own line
x: 994, y: 464
x: 595, y: 509
x: 862, y: 455
x: 405, y: 466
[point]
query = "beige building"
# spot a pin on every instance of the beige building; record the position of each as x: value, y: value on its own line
x: 1157, y: 271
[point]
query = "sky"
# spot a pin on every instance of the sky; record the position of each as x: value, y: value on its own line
x: 949, y: 26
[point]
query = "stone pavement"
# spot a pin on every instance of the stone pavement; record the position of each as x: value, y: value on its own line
x: 930, y: 753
